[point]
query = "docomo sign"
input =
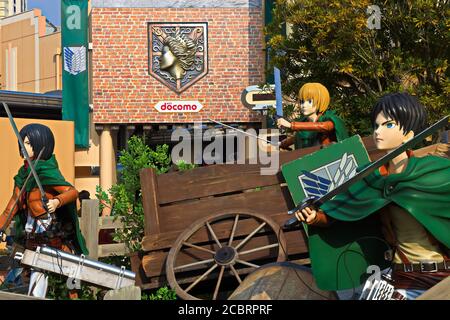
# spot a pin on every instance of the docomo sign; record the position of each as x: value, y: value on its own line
x: 178, y: 106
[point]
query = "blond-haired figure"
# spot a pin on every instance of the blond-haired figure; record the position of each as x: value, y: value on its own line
x: 316, y: 125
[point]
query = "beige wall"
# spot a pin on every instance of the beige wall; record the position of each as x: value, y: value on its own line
x: 36, y: 63
x: 10, y: 162
x: 84, y: 159
x: 50, y: 62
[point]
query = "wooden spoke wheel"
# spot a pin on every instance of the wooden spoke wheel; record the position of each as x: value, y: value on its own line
x: 212, y: 256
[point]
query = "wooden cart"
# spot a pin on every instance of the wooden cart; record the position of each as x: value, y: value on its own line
x: 205, y: 229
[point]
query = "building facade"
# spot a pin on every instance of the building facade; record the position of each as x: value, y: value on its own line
x: 12, y: 7
x: 30, y: 53
x: 131, y: 39
x: 124, y: 91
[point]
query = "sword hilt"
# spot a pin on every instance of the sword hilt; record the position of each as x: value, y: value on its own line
x: 307, y: 202
x: 275, y: 118
x: 44, y: 200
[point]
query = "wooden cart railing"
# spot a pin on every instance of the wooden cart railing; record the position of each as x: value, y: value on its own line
x: 173, y: 201
x: 91, y: 224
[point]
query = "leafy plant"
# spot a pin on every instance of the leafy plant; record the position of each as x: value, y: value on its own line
x: 126, y: 194
x: 58, y: 290
x: 184, y: 166
x: 329, y: 42
x: 163, y: 293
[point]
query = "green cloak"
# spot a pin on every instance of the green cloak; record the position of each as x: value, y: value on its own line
x: 49, y: 175
x: 341, y: 253
x: 305, y: 139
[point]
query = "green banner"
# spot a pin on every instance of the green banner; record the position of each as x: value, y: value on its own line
x: 74, y: 38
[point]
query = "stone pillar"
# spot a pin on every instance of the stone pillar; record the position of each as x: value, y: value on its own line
x: 107, y: 161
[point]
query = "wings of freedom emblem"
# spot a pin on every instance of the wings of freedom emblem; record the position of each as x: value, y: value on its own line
x: 75, y: 59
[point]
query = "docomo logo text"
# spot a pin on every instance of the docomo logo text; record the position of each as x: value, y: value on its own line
x: 178, y: 106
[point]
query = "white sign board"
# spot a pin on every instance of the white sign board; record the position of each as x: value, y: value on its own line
x: 179, y: 106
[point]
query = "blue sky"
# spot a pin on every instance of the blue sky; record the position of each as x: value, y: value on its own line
x: 50, y: 8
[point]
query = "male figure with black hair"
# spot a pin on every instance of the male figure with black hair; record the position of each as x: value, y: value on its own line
x: 412, y: 197
x: 34, y: 224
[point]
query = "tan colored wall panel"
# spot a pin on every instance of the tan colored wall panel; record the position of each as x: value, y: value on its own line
x: 10, y: 162
x: 26, y: 60
x: 88, y: 183
x: 26, y: 87
x: 90, y: 156
x: 48, y: 47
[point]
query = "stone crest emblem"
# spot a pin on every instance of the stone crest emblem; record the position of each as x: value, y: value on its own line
x: 178, y: 53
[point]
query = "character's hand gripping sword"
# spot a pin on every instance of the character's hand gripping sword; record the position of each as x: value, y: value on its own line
x: 317, y: 202
x: 25, y: 154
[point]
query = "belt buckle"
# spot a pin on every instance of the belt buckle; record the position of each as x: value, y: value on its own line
x: 433, y: 263
x: 408, y: 267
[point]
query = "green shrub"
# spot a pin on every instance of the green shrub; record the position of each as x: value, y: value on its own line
x: 163, y: 293
x: 329, y: 42
x: 58, y: 290
x: 127, y: 204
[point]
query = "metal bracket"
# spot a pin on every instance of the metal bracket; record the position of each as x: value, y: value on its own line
x: 120, y: 277
x: 18, y: 256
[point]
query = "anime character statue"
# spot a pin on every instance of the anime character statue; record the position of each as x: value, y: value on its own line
x: 317, y: 125
x: 406, y: 203
x: 34, y: 225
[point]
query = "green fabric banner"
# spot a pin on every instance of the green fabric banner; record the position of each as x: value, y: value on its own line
x: 74, y: 38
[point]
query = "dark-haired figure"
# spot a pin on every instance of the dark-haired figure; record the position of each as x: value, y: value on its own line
x: 412, y: 198
x: 34, y: 225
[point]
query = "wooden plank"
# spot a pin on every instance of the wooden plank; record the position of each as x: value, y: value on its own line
x: 127, y: 293
x: 118, y: 249
x: 150, y: 200
x: 89, y: 226
x: 267, y: 201
x: 441, y: 291
x: 15, y: 296
x: 166, y: 240
x: 211, y: 180
x: 154, y: 262
x: 226, y: 178
x: 110, y: 222
x: 439, y: 149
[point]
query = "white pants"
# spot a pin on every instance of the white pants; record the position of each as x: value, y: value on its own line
x: 38, y: 284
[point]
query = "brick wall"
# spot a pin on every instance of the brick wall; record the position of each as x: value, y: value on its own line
x: 124, y: 91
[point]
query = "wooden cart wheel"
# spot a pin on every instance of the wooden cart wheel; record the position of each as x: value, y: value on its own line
x: 222, y: 245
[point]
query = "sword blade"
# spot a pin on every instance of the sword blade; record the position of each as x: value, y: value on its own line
x: 278, y: 97
x: 242, y: 131
x: 383, y: 160
x: 24, y: 151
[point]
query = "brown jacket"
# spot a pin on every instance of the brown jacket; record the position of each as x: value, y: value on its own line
x: 326, y: 128
x: 32, y: 201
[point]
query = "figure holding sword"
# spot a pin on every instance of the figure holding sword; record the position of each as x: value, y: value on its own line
x: 314, y: 123
x: 412, y: 197
x: 43, y: 202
